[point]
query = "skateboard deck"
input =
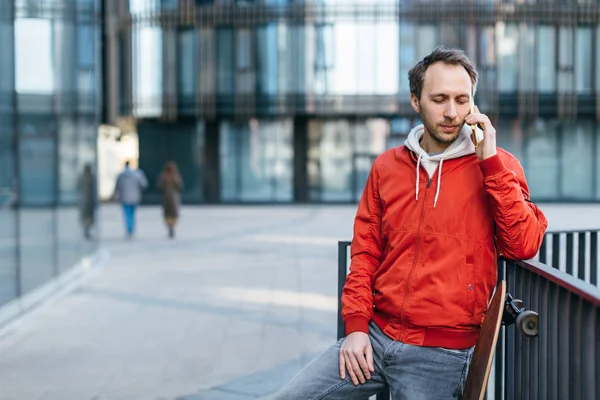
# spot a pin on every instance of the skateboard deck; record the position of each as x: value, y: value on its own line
x: 483, y: 354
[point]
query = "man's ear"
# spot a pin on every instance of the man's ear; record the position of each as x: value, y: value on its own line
x: 415, y: 103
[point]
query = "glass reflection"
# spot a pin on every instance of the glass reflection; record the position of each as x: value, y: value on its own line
x: 147, y: 70
x: 67, y: 227
x: 8, y: 240
x: 340, y: 156
x: 507, y: 39
x: 34, y: 56
x: 546, y: 73
x: 542, y: 159
x: 256, y: 160
x: 37, y: 160
x: 583, y: 60
x: 576, y: 144
x: 353, y: 58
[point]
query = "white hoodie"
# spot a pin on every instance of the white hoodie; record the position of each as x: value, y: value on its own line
x: 462, y: 146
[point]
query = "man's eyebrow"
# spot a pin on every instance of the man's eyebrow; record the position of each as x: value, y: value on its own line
x: 432, y: 95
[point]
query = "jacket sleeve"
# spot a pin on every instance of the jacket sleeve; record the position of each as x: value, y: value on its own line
x: 520, y: 224
x: 366, y: 252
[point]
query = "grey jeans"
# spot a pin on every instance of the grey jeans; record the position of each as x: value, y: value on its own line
x: 409, y: 372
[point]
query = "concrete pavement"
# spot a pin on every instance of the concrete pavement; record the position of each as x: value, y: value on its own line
x: 230, y: 310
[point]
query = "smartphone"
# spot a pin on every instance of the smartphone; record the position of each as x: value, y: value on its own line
x: 476, y: 135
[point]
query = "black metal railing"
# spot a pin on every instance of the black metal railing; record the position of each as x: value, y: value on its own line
x: 573, y: 252
x: 563, y: 361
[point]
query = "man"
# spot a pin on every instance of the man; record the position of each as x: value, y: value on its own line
x: 128, y: 190
x: 433, y: 217
x: 86, y: 185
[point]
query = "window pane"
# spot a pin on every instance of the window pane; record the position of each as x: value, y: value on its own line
x: 87, y: 59
x: 427, y: 40
x: 356, y: 58
x: 269, y: 173
x: 330, y: 160
x: 527, y: 58
x: 507, y: 36
x: 583, y: 61
x: 298, y: 54
x: 37, y: 160
x: 486, y: 85
x: 267, y: 59
x: 577, y: 145
x: 36, y: 224
x: 225, y: 77
x: 143, y: 6
x: 542, y: 161
x: 245, y: 80
x: 147, y: 71
x: 68, y: 229
x: 229, y: 161
x: 256, y: 160
x: 207, y: 62
x: 370, y: 140
x: 8, y: 242
x: 510, y: 136
x: 325, y: 58
x: 546, y: 55
x: 406, y: 54
x: 34, y: 56
x: 387, y: 57
x: 565, y: 59
x: 186, y: 66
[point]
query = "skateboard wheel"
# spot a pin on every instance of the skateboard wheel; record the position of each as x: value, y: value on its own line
x: 527, y: 323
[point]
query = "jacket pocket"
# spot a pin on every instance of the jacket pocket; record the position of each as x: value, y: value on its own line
x: 470, y: 285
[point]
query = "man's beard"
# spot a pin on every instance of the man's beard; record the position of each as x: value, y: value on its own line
x: 432, y: 129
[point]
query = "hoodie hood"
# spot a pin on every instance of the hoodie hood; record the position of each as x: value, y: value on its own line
x: 462, y: 146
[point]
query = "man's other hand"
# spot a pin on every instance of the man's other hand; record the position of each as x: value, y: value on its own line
x: 356, y: 356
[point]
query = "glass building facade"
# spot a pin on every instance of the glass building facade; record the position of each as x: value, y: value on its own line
x: 291, y: 101
x: 49, y: 115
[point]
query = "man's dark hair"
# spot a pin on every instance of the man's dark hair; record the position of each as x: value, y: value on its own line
x: 450, y: 56
x: 127, y: 163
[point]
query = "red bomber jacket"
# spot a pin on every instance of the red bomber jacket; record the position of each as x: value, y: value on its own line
x: 425, y: 274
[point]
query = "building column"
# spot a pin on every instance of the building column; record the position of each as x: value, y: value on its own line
x: 212, y: 168
x: 300, y: 159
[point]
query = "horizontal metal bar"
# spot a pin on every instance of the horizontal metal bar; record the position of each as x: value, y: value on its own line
x: 570, y: 283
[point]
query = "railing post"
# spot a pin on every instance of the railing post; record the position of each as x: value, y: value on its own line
x: 581, y: 256
x: 342, y: 262
x: 569, y: 268
x: 543, y: 249
x: 594, y: 258
x: 556, y: 250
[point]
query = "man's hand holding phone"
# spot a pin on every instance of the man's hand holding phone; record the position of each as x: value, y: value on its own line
x: 484, y: 147
x: 356, y: 356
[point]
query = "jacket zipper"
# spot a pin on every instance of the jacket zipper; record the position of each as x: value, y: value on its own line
x: 416, y: 257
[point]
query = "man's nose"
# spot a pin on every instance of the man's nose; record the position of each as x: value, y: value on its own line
x: 450, y: 111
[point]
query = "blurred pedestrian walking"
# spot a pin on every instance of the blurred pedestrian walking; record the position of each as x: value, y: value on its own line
x: 170, y: 184
x: 128, y: 190
x: 87, y: 200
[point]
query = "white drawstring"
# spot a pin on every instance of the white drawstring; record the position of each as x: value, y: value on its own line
x: 439, y: 183
x: 417, y: 187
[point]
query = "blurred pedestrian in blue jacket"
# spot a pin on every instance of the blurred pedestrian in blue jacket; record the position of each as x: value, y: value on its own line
x: 128, y: 190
